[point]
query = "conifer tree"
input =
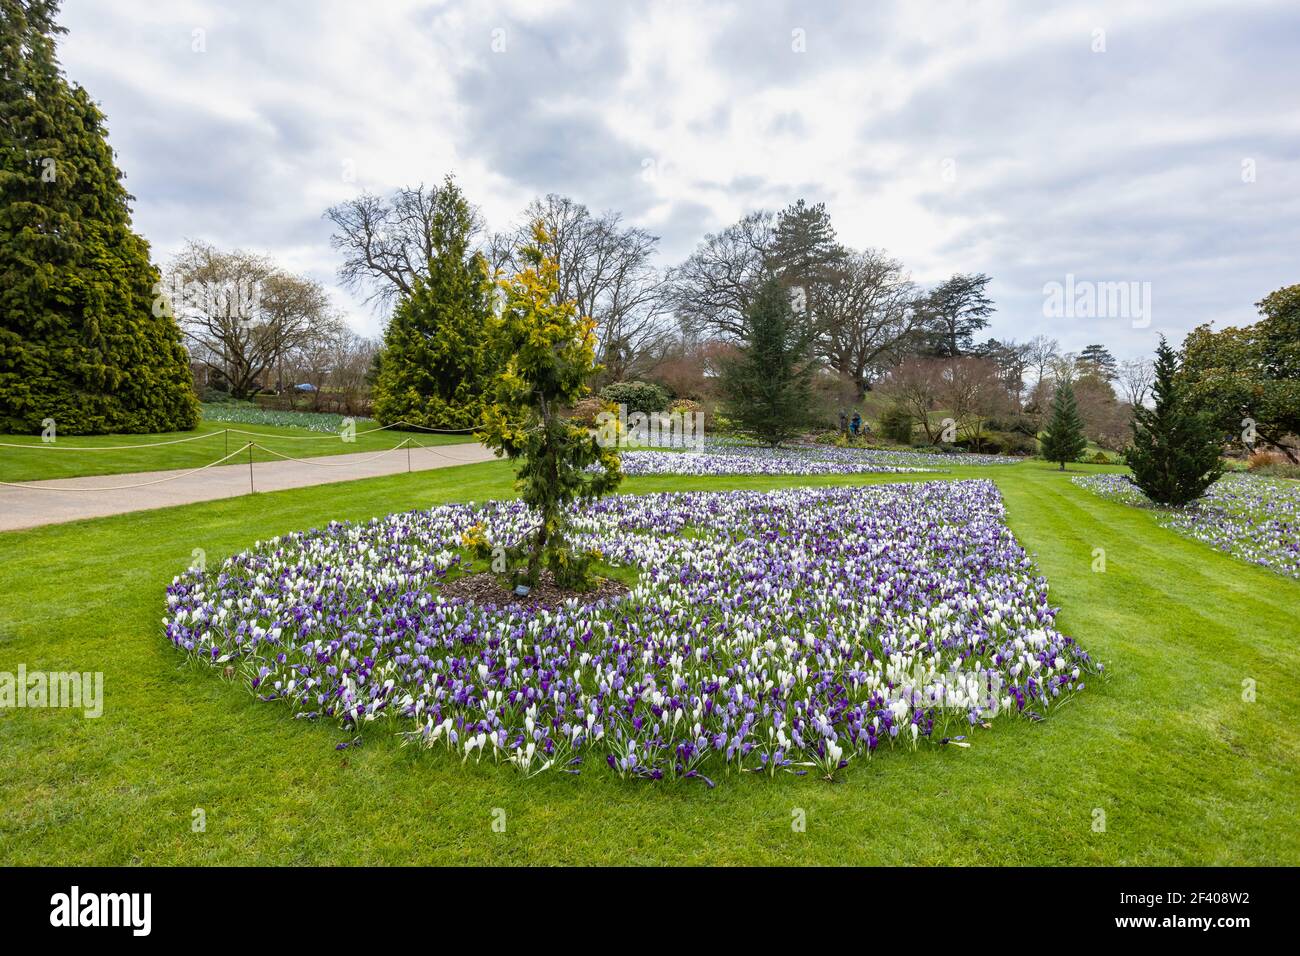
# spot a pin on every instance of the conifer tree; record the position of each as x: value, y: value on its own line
x: 548, y: 354
x: 83, y: 338
x: 1064, y: 440
x: 768, y: 387
x: 438, y: 365
x: 1176, y: 451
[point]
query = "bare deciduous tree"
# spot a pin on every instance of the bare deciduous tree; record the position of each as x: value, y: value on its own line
x: 711, y: 289
x: 607, y: 270
x: 1041, y: 351
x: 242, y: 315
x: 972, y: 390
x: 386, y: 243
x: 335, y: 364
x: 868, y: 316
x: 1135, y: 379
x: 915, y: 383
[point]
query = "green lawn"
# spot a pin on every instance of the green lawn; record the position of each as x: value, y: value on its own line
x: 1184, y: 769
x: 53, y: 461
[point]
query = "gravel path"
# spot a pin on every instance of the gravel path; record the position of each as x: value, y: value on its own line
x: 38, y: 503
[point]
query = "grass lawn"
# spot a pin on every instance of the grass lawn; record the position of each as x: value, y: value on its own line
x: 50, y: 461
x: 1184, y: 769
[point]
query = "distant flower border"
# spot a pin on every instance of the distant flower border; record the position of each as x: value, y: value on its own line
x: 246, y: 414
x: 719, y: 459
x: 1255, y: 519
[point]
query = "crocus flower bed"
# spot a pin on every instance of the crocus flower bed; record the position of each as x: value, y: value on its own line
x: 1252, y: 518
x: 750, y: 461
x: 246, y: 413
x: 768, y: 631
x: 793, y: 460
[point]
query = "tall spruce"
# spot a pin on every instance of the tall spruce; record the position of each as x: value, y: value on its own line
x: 84, y: 339
x: 438, y: 364
x: 768, y: 386
x: 1064, y: 441
x: 1177, y: 452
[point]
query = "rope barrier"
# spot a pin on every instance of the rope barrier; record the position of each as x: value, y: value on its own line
x: 54, y: 446
x: 368, y: 431
x: 246, y: 447
x: 330, y: 437
x: 143, y: 484
x: 324, y: 459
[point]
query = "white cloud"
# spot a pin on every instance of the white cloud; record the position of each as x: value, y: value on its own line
x: 1115, y: 165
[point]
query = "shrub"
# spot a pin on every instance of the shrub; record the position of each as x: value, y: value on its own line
x: 1273, y: 465
x: 930, y: 449
x: 637, y: 396
x: 1283, y: 470
x: 896, y: 424
x: 1263, y: 459
x: 1017, y: 443
x: 723, y: 424
x: 585, y: 410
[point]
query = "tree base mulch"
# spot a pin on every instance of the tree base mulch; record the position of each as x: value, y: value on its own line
x: 486, y: 589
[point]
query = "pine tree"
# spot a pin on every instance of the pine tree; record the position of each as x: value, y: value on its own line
x: 548, y: 353
x: 768, y: 387
x: 1176, y: 452
x: 438, y: 365
x: 1064, y: 440
x: 83, y: 340
x: 1100, y: 362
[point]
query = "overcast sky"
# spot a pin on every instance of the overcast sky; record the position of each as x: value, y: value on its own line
x: 1027, y: 140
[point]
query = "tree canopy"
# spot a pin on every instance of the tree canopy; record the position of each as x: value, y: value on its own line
x: 1248, y: 379
x: 439, y: 359
x: 83, y: 338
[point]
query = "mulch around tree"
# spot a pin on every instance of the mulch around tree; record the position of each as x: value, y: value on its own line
x: 487, y: 590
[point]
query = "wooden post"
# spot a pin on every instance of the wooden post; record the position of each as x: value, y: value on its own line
x: 250, y: 468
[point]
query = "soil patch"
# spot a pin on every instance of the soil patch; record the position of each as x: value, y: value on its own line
x: 486, y: 589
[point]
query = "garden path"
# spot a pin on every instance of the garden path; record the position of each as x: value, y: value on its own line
x: 30, y: 504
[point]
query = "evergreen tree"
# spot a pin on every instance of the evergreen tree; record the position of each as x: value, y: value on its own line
x: 548, y: 353
x: 83, y: 340
x: 954, y: 311
x: 1176, y: 451
x: 438, y: 365
x: 1064, y: 440
x: 1249, y: 376
x: 768, y: 388
x: 1100, y: 362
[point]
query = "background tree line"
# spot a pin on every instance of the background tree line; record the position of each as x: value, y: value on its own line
x: 852, y: 328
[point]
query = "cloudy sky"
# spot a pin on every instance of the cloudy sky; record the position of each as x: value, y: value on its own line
x: 1032, y: 141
